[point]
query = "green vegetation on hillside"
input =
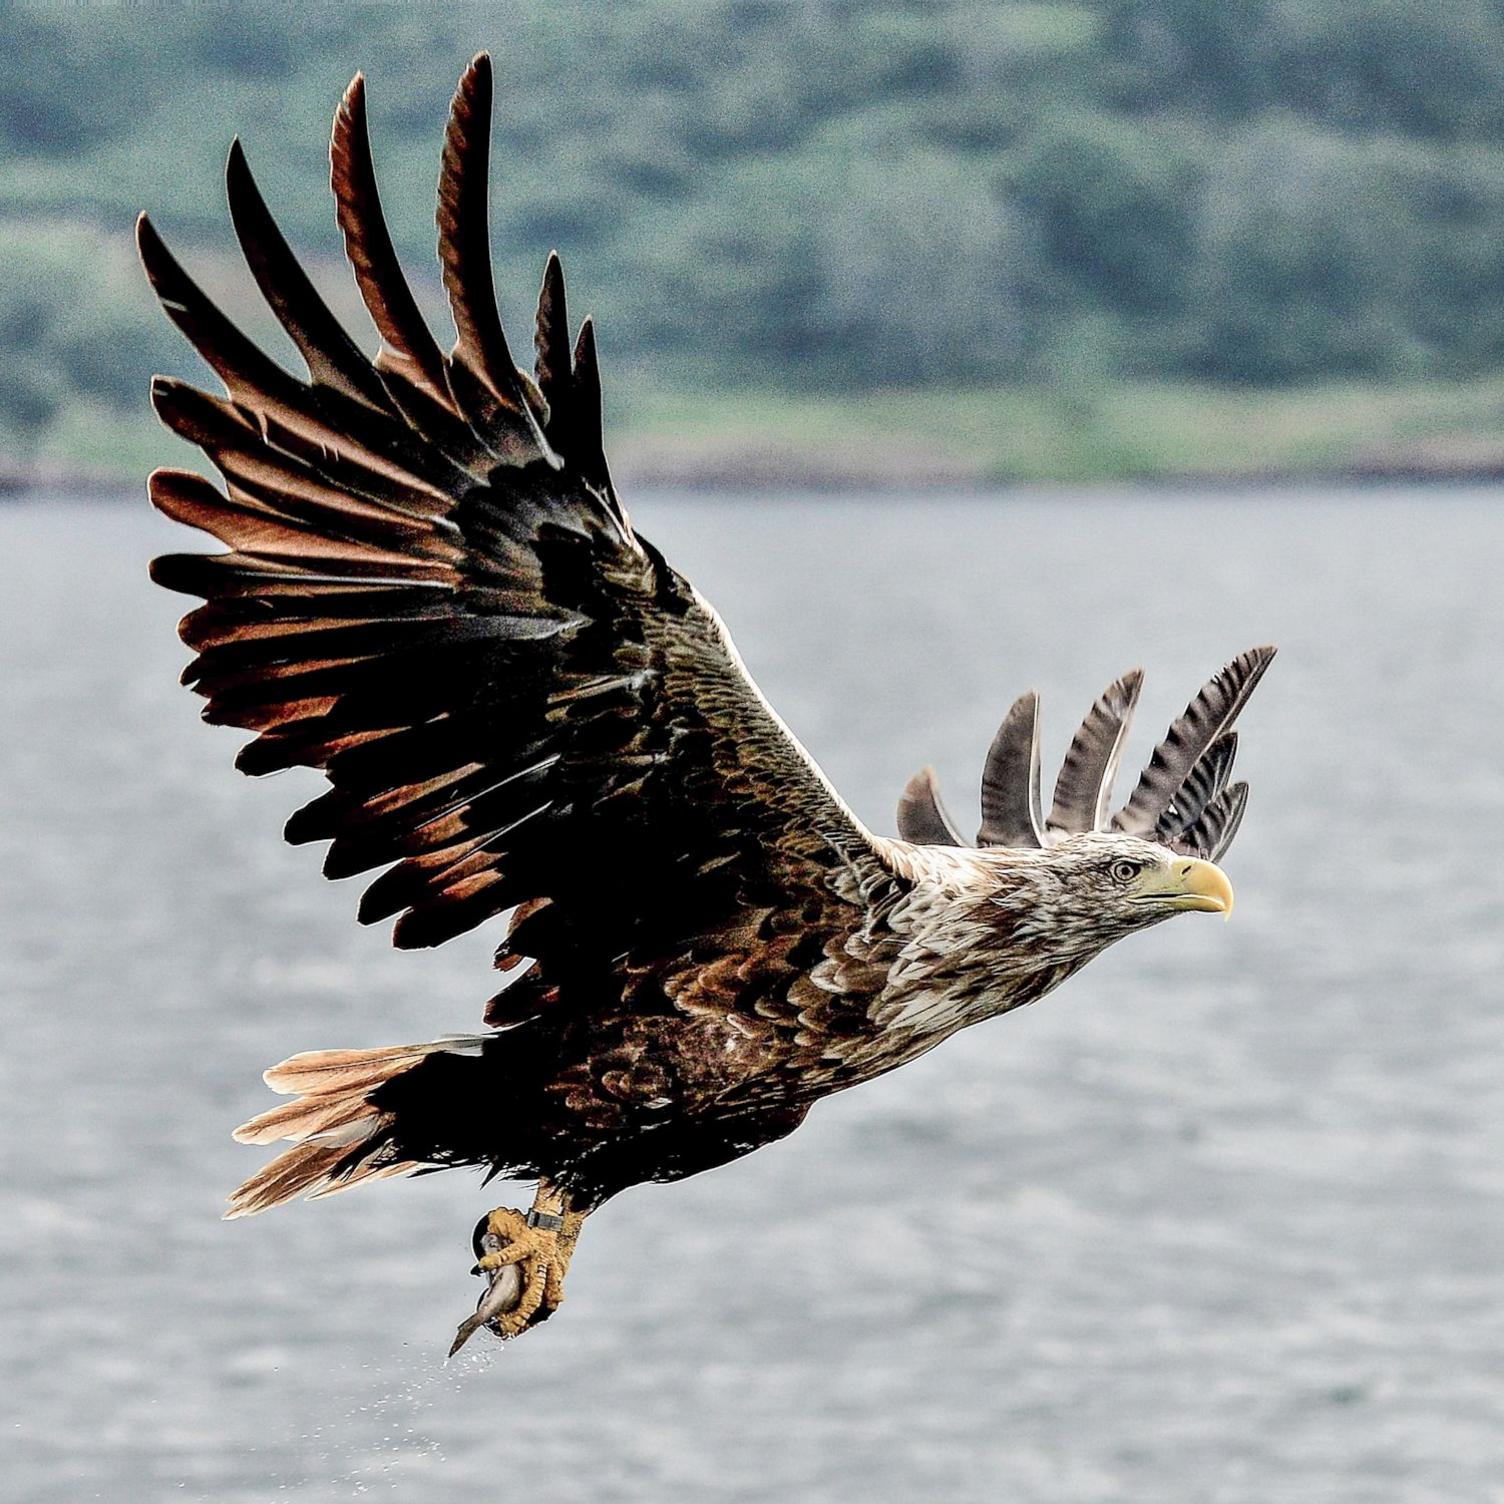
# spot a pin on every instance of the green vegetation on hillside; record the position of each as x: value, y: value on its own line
x: 1055, y: 218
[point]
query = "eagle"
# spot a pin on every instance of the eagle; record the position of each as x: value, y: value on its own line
x: 434, y: 595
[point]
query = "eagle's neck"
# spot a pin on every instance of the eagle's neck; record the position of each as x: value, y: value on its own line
x: 963, y: 949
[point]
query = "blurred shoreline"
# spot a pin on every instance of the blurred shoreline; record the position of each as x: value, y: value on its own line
x: 934, y: 248
x: 965, y: 440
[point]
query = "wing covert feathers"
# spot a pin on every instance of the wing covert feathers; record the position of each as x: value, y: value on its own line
x: 433, y: 594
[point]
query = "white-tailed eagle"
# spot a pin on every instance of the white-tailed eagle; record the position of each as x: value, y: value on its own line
x: 434, y: 595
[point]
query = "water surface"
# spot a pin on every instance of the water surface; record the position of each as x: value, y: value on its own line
x: 1221, y: 1221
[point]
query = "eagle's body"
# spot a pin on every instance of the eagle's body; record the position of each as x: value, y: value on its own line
x: 724, y: 1046
x: 435, y: 596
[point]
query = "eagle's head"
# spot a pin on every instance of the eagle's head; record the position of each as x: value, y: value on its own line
x: 994, y: 927
x: 1051, y: 886
x: 1069, y: 901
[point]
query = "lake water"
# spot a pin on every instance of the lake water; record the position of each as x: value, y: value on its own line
x: 1223, y: 1220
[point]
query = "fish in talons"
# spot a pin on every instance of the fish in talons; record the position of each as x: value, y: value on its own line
x: 503, y: 1290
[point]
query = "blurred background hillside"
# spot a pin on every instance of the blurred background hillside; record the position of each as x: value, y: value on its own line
x: 825, y: 241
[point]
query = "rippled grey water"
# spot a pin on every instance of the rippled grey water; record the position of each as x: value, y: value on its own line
x: 1221, y: 1221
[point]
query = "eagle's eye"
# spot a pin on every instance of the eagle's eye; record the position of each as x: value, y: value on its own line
x: 1124, y: 870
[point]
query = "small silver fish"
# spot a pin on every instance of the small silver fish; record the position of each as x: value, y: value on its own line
x: 500, y: 1295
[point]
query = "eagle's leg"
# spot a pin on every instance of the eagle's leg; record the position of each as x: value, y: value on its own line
x: 531, y: 1254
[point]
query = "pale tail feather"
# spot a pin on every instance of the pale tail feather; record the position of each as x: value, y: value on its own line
x: 331, y: 1119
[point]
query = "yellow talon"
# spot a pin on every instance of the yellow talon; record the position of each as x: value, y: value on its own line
x: 538, y: 1248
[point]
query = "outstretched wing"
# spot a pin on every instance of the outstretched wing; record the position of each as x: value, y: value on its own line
x: 434, y: 595
x: 1184, y: 798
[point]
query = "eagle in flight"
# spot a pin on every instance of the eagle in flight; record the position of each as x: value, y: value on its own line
x: 434, y: 595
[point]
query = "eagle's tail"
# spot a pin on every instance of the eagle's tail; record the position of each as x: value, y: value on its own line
x: 340, y: 1135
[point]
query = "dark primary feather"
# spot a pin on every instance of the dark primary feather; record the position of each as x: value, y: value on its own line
x: 1210, y: 713
x: 408, y: 349
x: 553, y: 367
x: 570, y: 386
x: 481, y: 373
x: 1010, y: 780
x: 1218, y: 824
x: 332, y: 357
x: 586, y: 445
x: 1203, y: 784
x: 922, y: 818
x: 1084, y: 789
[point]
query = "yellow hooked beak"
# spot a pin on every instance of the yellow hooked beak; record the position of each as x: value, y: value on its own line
x: 1187, y: 884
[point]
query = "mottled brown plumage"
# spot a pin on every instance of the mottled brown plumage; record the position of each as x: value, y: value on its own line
x: 434, y: 595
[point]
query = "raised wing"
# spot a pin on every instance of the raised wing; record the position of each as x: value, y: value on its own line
x: 434, y: 595
x: 1184, y: 798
